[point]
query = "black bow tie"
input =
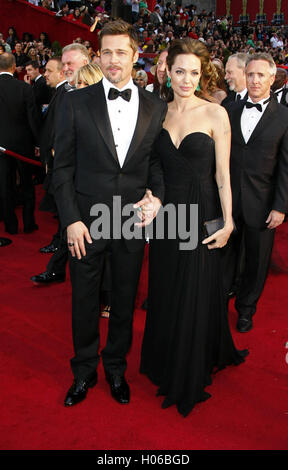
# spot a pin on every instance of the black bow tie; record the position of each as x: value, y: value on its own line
x: 238, y: 97
x: 253, y: 105
x: 114, y: 93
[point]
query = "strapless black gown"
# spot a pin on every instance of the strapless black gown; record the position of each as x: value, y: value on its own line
x: 187, y: 336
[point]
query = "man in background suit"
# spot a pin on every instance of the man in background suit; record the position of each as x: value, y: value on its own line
x: 104, y: 138
x: 19, y: 131
x: 74, y: 56
x: 259, y: 180
x: 279, y: 87
x: 236, y: 78
x: 56, y: 268
x: 38, y: 83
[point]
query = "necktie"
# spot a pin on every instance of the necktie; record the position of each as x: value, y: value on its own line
x: 114, y: 93
x: 238, y: 97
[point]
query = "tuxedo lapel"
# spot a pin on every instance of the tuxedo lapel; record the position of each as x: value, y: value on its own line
x: 144, y: 118
x: 236, y: 125
x: 98, y: 110
x: 265, y: 120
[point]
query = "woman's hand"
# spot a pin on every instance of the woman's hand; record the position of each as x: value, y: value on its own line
x: 219, y: 238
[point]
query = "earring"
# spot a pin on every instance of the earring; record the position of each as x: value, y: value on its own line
x: 198, y: 86
x: 168, y: 84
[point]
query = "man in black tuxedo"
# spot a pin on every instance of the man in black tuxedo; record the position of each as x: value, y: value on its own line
x: 279, y: 87
x: 56, y: 268
x: 19, y: 130
x: 236, y: 78
x: 259, y: 180
x: 103, y: 150
x: 38, y: 83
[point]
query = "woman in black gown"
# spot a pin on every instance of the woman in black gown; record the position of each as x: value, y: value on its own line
x: 187, y: 335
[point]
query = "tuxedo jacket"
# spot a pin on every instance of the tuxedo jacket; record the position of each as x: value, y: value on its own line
x: 19, y: 117
x: 48, y: 126
x: 42, y: 92
x: 86, y: 167
x: 259, y: 169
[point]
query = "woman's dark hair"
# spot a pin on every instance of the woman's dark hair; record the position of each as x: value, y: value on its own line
x: 208, y: 72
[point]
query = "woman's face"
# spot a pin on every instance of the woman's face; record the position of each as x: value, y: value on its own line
x: 185, y: 74
x: 161, y: 67
x: 140, y: 81
x: 81, y: 84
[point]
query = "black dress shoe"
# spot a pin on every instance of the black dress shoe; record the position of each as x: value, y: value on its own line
x: 119, y: 388
x: 31, y: 229
x: 49, y: 248
x: 5, y: 241
x: 47, y: 278
x: 244, y: 323
x: 78, y: 391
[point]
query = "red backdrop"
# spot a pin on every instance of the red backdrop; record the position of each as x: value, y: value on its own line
x: 25, y: 17
x: 252, y: 8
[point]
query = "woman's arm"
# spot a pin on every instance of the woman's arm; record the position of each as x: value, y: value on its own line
x: 221, y: 133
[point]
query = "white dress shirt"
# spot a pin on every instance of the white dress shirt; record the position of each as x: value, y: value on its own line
x: 250, y: 118
x: 123, y: 117
x: 7, y: 73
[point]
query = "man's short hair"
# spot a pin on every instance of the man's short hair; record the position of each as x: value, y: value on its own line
x: 7, y: 61
x: 77, y: 48
x: 57, y: 59
x: 241, y: 58
x: 263, y: 56
x: 33, y: 63
x: 120, y: 27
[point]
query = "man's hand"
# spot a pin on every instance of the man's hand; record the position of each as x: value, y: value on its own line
x: 76, y: 233
x: 275, y: 218
x: 149, y: 207
x: 27, y: 79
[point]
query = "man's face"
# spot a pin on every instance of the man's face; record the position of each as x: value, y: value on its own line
x: 235, y: 76
x: 31, y: 72
x: 72, y: 61
x: 259, y: 79
x: 52, y: 75
x: 18, y: 48
x: 117, y: 58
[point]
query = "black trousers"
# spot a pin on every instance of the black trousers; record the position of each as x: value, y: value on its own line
x: 250, y: 250
x: 58, y: 261
x: 86, y: 278
x: 8, y: 168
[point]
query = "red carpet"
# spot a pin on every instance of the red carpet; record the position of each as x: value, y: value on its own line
x: 249, y: 404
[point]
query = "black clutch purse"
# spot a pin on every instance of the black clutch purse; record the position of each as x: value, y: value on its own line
x: 212, y: 226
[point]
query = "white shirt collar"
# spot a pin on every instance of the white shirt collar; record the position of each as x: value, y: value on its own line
x: 61, y: 83
x: 37, y: 78
x: 7, y: 73
x: 107, y: 85
x: 242, y: 93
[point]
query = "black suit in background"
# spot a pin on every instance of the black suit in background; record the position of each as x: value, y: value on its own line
x: 19, y: 132
x: 43, y: 93
x: 86, y: 172
x: 231, y: 98
x: 259, y: 182
x: 57, y: 262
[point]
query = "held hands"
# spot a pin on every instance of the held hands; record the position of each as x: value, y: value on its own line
x: 274, y: 219
x: 76, y: 233
x: 148, y: 208
x: 219, y: 238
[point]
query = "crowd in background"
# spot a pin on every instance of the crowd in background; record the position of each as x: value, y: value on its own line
x: 156, y: 30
